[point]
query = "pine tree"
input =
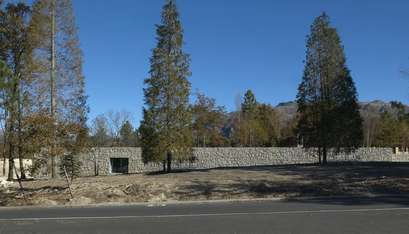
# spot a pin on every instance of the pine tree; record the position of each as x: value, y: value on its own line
x: 249, y: 105
x: 70, y: 165
x: 166, y: 125
x: 127, y: 135
x: 327, y: 97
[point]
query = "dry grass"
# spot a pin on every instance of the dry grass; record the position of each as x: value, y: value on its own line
x: 255, y: 182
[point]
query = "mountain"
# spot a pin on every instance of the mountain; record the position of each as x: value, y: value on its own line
x: 288, y: 110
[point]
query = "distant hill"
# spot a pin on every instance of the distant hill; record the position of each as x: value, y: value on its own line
x: 288, y: 110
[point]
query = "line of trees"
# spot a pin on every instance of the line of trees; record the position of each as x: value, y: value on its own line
x: 328, y: 113
x: 114, y: 129
x: 390, y: 128
x: 43, y: 102
x: 43, y: 105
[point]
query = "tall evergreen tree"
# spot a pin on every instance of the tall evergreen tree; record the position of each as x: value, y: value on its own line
x: 327, y: 98
x: 166, y: 125
x: 249, y: 105
x: 127, y: 135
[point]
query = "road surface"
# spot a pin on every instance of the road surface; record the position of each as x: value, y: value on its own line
x: 335, y: 215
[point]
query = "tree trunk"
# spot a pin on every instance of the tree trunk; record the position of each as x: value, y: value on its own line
x: 164, y: 166
x: 20, y: 150
x: 21, y: 164
x: 4, y: 158
x: 319, y: 156
x: 4, y: 162
x: 11, y: 163
x: 324, y: 155
x: 10, y: 138
x: 96, y: 172
x: 53, y: 174
x: 5, y: 128
x: 169, y: 161
x: 19, y: 132
x: 53, y: 97
x: 20, y: 156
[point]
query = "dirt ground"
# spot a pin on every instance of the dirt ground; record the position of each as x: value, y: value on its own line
x: 241, y: 183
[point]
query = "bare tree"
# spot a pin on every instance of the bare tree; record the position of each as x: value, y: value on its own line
x: 115, y: 120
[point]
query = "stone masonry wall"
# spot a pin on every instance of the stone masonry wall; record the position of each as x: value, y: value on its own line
x: 97, y: 161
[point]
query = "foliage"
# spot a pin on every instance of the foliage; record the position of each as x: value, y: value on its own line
x: 166, y: 125
x: 113, y: 129
x: 16, y: 51
x: 33, y: 126
x: 256, y: 125
x: 268, y: 120
x: 71, y: 165
x: 327, y: 99
x: 73, y: 142
x: 100, y: 136
x: 208, y: 122
x: 64, y: 97
x: 249, y: 105
x: 288, y: 133
x: 393, y: 127
x: 128, y: 136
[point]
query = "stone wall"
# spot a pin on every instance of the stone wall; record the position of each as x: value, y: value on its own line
x: 97, y: 161
x: 400, y: 157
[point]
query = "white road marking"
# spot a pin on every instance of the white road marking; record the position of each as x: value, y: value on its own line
x: 207, y: 214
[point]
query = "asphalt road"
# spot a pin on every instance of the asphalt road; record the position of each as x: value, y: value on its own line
x: 335, y: 215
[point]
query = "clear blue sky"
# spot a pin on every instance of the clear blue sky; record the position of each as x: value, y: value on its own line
x: 240, y: 44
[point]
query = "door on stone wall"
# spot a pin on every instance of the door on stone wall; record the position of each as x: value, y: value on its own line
x: 119, y: 165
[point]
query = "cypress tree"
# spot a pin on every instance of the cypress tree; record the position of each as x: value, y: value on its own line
x: 166, y: 125
x: 327, y: 98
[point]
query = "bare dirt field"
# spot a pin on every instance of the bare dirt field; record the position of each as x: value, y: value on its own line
x: 362, y: 179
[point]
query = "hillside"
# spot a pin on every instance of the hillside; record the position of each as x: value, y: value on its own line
x: 374, y: 108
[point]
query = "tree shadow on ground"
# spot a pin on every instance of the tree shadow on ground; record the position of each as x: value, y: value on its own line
x: 16, y: 197
x: 346, y: 183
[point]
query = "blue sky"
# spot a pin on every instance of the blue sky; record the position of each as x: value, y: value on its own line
x: 237, y: 45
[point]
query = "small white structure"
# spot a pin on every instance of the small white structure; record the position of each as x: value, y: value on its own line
x: 401, y: 150
x: 4, y: 164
